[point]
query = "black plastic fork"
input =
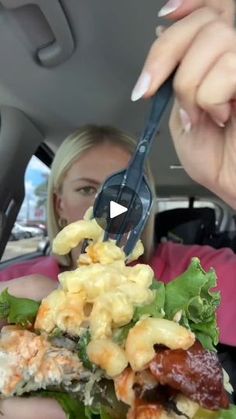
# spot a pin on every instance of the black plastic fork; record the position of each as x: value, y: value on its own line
x: 134, y: 178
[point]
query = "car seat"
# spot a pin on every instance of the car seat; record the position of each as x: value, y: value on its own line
x: 185, y: 225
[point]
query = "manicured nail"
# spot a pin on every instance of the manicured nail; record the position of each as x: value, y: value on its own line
x: 160, y: 29
x: 185, y: 119
x: 170, y: 6
x: 219, y: 123
x: 141, y: 86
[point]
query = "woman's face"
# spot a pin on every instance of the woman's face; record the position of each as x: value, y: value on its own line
x: 85, y: 177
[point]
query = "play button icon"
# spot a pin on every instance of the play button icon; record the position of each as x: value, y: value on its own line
x: 116, y: 209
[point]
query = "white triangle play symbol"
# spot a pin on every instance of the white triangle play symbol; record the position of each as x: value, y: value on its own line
x: 116, y: 209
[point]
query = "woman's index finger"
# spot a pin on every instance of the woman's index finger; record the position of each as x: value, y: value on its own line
x: 177, y: 9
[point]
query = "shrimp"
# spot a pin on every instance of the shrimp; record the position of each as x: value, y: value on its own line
x: 107, y: 355
x: 140, y: 409
x: 124, y: 386
x: 148, y: 411
x: 148, y: 332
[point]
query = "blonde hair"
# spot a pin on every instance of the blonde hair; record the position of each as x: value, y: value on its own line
x: 68, y: 153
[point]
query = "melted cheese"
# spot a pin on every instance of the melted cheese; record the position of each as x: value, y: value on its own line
x: 110, y: 287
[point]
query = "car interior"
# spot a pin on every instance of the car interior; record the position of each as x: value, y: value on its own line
x: 65, y: 63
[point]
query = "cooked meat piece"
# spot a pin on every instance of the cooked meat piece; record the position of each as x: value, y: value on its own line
x: 195, y: 372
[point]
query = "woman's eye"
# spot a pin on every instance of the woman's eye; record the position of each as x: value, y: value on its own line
x: 87, y: 190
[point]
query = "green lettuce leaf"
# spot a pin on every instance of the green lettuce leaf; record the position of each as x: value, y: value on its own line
x: 207, y: 333
x: 91, y: 412
x: 191, y: 293
x: 222, y: 414
x: 73, y: 408
x: 227, y: 414
x: 56, y: 333
x: 120, y: 334
x: 101, y: 413
x: 104, y: 414
x: 17, y: 310
x: 82, y: 351
x: 156, y: 307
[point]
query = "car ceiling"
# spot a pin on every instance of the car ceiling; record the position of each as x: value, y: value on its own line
x: 93, y: 84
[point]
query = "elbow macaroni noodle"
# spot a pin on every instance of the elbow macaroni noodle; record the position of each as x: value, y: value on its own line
x: 102, y: 294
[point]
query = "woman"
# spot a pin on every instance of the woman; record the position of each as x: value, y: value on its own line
x: 81, y: 165
x: 203, y: 129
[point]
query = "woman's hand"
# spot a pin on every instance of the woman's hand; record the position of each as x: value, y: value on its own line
x: 35, y: 287
x: 202, y: 44
x: 31, y: 408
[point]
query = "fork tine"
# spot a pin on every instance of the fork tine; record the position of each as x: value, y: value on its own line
x: 84, y: 245
x: 124, y: 222
x: 133, y: 178
x: 134, y: 237
x: 137, y: 231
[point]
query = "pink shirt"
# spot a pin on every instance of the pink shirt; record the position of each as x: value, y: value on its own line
x: 45, y: 265
x: 169, y: 261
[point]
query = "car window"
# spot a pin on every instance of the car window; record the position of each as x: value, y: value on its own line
x: 30, y: 227
x: 164, y: 204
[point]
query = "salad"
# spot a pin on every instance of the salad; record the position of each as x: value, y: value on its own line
x: 113, y: 342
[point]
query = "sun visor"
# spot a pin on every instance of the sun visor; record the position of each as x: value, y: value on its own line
x: 45, y: 29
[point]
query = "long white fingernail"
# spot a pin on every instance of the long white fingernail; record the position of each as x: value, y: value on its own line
x: 141, y: 86
x: 160, y: 29
x: 170, y: 6
x: 219, y: 123
x: 185, y: 120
